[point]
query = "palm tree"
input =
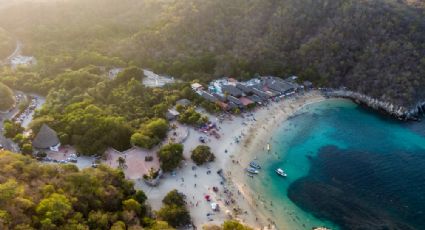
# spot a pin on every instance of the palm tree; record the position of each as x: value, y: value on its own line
x: 121, y: 163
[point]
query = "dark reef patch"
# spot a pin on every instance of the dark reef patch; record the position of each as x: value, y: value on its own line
x: 363, y: 190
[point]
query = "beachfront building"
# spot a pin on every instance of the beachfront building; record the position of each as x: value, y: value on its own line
x: 279, y: 86
x: 252, y: 93
x: 235, y: 101
x: 209, y: 97
x: 308, y: 85
x: 229, y: 93
x: 198, y: 88
x: 46, y: 139
x: 231, y: 90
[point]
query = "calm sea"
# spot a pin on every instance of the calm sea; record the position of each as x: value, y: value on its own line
x: 348, y: 168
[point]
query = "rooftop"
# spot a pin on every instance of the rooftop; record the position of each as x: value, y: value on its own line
x: 184, y: 102
x: 232, y: 90
x: 45, y: 138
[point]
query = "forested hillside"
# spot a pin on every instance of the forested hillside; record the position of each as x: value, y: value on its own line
x: 6, y: 97
x: 7, y: 44
x: 36, y: 196
x: 376, y: 47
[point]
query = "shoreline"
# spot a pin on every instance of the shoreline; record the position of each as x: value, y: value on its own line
x: 260, y: 135
x: 241, y: 138
x: 412, y: 113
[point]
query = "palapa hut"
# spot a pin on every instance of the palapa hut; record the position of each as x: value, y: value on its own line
x: 46, y: 138
x: 183, y: 102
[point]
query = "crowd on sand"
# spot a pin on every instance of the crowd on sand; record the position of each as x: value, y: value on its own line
x: 218, y: 191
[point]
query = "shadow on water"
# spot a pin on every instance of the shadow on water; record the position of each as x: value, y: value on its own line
x: 364, y: 190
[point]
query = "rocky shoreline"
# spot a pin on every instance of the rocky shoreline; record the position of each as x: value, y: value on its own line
x: 395, y: 111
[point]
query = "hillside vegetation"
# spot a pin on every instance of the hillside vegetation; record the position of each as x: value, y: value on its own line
x: 7, y: 99
x: 7, y: 44
x: 376, y: 47
x: 36, y: 196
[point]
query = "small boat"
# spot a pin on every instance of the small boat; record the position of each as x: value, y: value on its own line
x: 252, y: 170
x: 280, y: 172
x: 254, y: 164
x: 268, y: 147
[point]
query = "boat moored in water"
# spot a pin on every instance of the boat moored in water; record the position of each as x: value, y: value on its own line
x: 280, y: 172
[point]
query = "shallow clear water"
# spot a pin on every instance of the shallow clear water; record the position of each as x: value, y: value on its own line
x: 347, y: 168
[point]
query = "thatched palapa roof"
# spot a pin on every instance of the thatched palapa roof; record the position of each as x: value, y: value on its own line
x: 45, y: 138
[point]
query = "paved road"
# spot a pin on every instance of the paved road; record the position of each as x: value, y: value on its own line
x: 7, y: 143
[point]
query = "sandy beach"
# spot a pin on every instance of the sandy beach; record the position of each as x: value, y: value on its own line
x: 241, y: 138
x: 258, y: 137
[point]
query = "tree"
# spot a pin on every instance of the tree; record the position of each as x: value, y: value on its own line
x: 170, y: 156
x: 119, y: 225
x: 150, y: 133
x: 176, y: 216
x: 190, y: 116
x: 63, y: 197
x: 174, y: 210
x: 128, y: 74
x: 132, y: 205
x: 158, y: 127
x: 202, y: 154
x: 121, y: 163
x: 234, y: 225
x: 98, y: 220
x: 26, y: 148
x: 174, y: 198
x: 152, y: 174
x: 140, y: 196
x: 11, y: 129
x: 160, y: 225
x: 142, y: 140
x: 8, y: 191
x: 54, y: 209
x: 7, y: 99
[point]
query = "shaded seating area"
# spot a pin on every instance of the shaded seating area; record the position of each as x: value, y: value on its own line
x: 46, y: 138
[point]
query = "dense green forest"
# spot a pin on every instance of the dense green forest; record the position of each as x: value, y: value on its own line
x: 375, y: 47
x: 7, y: 99
x: 93, y: 113
x: 55, y: 196
x: 40, y: 196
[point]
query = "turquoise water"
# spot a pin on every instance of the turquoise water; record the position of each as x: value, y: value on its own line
x: 347, y: 168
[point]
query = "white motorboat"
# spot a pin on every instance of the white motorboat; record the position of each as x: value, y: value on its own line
x: 280, y: 172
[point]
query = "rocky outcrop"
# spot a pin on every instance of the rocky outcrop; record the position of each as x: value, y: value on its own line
x: 397, y: 111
